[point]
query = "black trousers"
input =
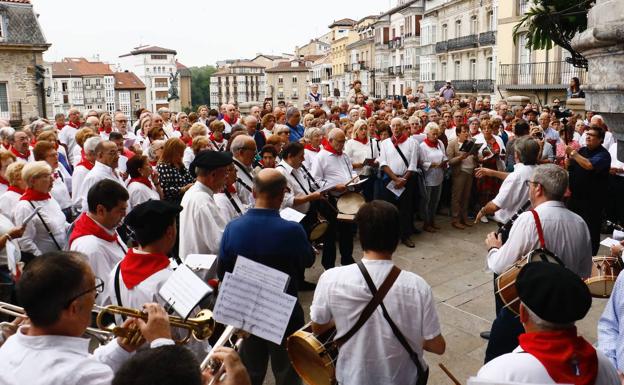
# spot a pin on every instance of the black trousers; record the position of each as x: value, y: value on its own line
x: 340, y: 231
x: 255, y: 353
x: 405, y: 205
x: 504, y: 334
x: 615, y: 204
x: 591, y: 212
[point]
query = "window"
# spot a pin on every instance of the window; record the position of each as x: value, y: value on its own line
x: 137, y: 97
x: 159, y: 57
x: 458, y: 28
x: 474, y: 27
x: 1, y: 28
x: 418, y: 18
x: 443, y: 72
x: 457, y: 72
x: 64, y: 86
x: 160, y: 82
x: 161, y: 94
x: 491, y: 21
x: 489, y: 68
x: 473, y: 69
x: 87, y: 82
x: 444, y: 35
x: 280, y: 79
x: 523, y: 7
x: 65, y: 99
x: 4, y: 97
x: 147, y: 69
x: 98, y: 94
x: 98, y: 82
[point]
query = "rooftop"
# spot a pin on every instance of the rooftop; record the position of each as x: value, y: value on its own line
x: 128, y: 81
x: 149, y: 49
x: 22, y: 26
x: 79, y: 67
x: 287, y: 66
x: 346, y: 22
x: 182, y: 69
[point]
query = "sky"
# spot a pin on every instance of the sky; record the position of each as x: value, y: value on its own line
x: 201, y: 31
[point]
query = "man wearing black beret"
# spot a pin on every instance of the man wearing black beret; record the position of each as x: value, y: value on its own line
x: 552, y: 299
x: 201, y: 220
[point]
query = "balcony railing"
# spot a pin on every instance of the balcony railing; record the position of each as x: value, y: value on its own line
x: 398, y: 70
x: 463, y: 42
x: 473, y: 86
x: 390, y: 70
x: 11, y: 111
x: 99, y: 86
x: 397, y: 42
x: 441, y: 46
x: 544, y: 75
x: 487, y: 38
x: 346, y: 68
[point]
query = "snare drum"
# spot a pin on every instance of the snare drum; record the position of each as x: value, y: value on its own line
x: 318, y: 228
x: 605, y: 271
x: 506, y: 282
x: 313, y: 356
x: 348, y: 205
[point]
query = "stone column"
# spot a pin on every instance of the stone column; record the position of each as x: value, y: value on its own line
x: 576, y: 105
x: 517, y: 100
x: 602, y: 43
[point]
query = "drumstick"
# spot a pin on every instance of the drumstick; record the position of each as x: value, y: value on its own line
x: 449, y: 374
x: 351, y: 181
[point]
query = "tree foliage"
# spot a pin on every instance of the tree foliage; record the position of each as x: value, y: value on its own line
x: 200, y: 85
x: 555, y: 21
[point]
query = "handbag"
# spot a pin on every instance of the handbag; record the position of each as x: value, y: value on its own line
x: 423, y: 375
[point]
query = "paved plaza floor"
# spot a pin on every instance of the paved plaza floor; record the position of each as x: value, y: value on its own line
x: 453, y: 263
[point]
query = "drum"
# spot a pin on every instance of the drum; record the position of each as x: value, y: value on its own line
x: 506, y: 282
x: 313, y: 356
x: 348, y: 205
x: 605, y: 271
x: 318, y: 228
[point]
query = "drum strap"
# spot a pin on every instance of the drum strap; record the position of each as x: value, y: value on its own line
x: 232, y: 201
x: 402, y: 156
x: 378, y: 296
x: 540, y: 232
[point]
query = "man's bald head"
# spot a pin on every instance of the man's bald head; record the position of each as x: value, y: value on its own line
x: 336, y: 134
x: 269, y: 188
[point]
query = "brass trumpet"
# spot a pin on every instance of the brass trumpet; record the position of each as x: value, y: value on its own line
x: 200, y: 327
x: 231, y: 337
x: 102, y: 336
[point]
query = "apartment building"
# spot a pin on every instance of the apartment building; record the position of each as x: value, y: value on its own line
x: 239, y: 82
x: 289, y: 81
x: 341, y: 37
x: 129, y: 94
x: 361, y: 54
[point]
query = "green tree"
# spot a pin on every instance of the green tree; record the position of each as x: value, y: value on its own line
x: 200, y: 85
x: 555, y: 21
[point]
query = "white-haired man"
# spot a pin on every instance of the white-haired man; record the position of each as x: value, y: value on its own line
x: 67, y: 135
x: 608, y: 136
x: 82, y: 169
x: 244, y: 151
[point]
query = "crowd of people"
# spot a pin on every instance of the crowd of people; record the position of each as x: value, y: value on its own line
x: 91, y: 204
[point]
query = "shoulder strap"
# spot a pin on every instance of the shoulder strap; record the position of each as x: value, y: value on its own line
x: 117, y: 289
x: 45, y: 225
x: 378, y: 296
x: 310, y: 179
x: 232, y: 201
x: 402, y: 155
x: 540, y: 232
x: 395, y: 329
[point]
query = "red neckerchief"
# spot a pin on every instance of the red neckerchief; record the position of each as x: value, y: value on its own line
x: 401, y: 139
x: 60, y: 126
x: 431, y: 143
x: 153, y: 163
x: 6, y: 146
x: 376, y: 136
x: 187, y: 140
x: 24, y: 156
x: 16, y: 189
x: 108, y: 131
x: 86, y: 164
x: 363, y: 141
x: 227, y: 119
x: 75, y: 125
x: 231, y: 189
x: 327, y: 146
x: 4, y: 181
x: 567, y: 357
x: 85, y: 225
x: 309, y: 147
x: 137, y: 267
x: 143, y: 180
x: 215, y: 139
x: 34, y: 195
x: 33, y: 142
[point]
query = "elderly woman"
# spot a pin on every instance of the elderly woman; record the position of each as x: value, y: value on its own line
x: 145, y: 126
x: 17, y: 186
x: 47, y: 231
x: 106, y: 126
x: 491, y: 155
x: 45, y: 151
x: 6, y: 158
x: 283, y: 132
x: 313, y: 138
x: 433, y: 161
x: 155, y: 151
x: 174, y: 177
x: 200, y: 143
x: 462, y: 168
x: 144, y: 184
x: 363, y: 152
x: 218, y: 142
x: 268, y: 122
x: 307, y: 120
x: 52, y: 137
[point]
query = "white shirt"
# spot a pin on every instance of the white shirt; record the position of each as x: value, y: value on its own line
x: 358, y: 152
x: 373, y: 355
x: 99, y: 172
x: 615, y: 163
x: 201, y: 222
x: 433, y: 176
x: 78, y: 177
x: 297, y: 184
x: 450, y: 133
x: 188, y: 157
x: 76, y: 154
x: 60, y: 360
x: 227, y: 208
x: 8, y: 201
x: 5, y: 226
x: 332, y: 168
x: 521, y: 367
x: 513, y: 193
x: 67, y: 136
x: 140, y: 193
x: 36, y: 238
x: 308, y: 158
x: 551, y: 134
x: 59, y: 191
x: 244, y: 183
x: 565, y: 234
x: 389, y: 156
x: 65, y: 176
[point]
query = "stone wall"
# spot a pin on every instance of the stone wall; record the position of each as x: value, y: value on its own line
x: 18, y: 72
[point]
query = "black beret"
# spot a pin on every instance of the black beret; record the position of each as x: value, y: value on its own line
x: 553, y: 293
x: 209, y: 160
x: 153, y: 211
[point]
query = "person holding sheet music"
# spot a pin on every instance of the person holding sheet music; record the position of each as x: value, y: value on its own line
x: 376, y: 353
x: 244, y: 151
x: 333, y: 167
x: 363, y: 152
x: 398, y: 159
x: 433, y: 162
x: 462, y: 165
x: 288, y: 251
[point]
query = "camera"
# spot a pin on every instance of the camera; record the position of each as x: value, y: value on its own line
x: 539, y: 135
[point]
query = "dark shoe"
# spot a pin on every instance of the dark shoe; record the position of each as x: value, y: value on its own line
x: 307, y: 286
x: 417, y: 231
x: 457, y: 225
x: 408, y: 242
x: 435, y: 226
x: 429, y: 229
x: 485, y: 335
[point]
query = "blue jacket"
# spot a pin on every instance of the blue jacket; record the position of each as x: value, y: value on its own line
x: 296, y: 132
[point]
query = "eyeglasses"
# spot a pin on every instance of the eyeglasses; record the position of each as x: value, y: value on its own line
x: 99, y: 289
x: 121, y: 121
x: 530, y: 182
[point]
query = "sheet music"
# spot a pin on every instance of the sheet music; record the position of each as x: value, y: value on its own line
x: 618, y: 235
x: 258, y: 309
x: 265, y: 275
x: 327, y: 187
x: 291, y: 214
x: 183, y: 290
x: 393, y: 189
x: 200, y: 261
x: 13, y: 257
x: 609, y: 242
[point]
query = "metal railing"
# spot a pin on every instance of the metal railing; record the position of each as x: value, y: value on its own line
x: 475, y: 85
x: 390, y: 70
x: 398, y: 70
x: 441, y: 46
x: 487, y: 38
x: 536, y: 75
x: 11, y: 111
x: 469, y: 41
